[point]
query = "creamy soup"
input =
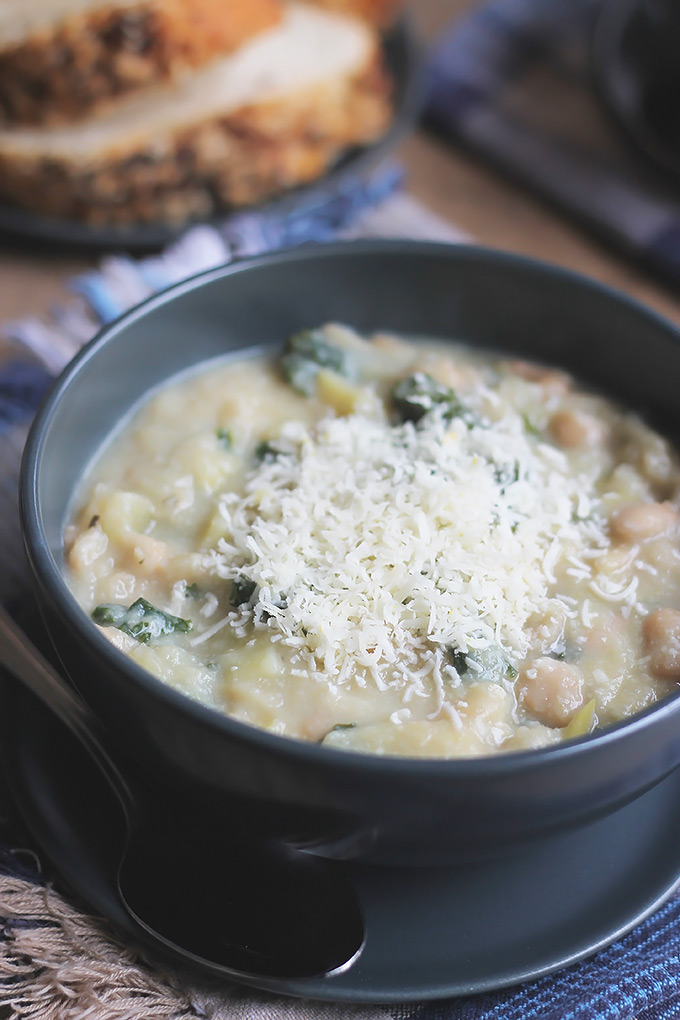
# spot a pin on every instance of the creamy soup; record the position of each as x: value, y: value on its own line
x: 385, y: 546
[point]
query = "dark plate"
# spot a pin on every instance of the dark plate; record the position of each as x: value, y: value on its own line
x: 431, y: 933
x: 618, y: 65
x: 402, y: 58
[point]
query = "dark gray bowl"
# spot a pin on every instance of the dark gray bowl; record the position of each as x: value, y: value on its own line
x: 387, y: 810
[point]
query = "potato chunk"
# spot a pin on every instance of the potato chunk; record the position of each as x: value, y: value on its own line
x: 88, y: 547
x: 122, y: 512
x: 342, y: 395
x: 206, y: 458
x: 550, y: 691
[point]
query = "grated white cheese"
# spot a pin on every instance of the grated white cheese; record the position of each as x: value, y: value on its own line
x: 377, y: 549
x: 210, y: 632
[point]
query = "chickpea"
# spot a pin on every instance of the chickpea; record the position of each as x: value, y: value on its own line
x: 661, y: 633
x: 550, y: 691
x: 149, y: 556
x: 545, y: 630
x: 606, y: 635
x: 639, y: 521
x: 391, y: 344
x: 555, y: 384
x: 573, y: 429
x: 617, y: 560
x: 446, y: 371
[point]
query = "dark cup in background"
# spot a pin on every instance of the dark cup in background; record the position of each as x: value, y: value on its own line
x: 637, y: 65
x: 655, y: 36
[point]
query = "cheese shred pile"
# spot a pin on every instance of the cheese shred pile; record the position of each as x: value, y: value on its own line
x: 374, y: 550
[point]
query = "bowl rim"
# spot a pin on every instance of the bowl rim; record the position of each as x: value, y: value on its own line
x: 46, y: 571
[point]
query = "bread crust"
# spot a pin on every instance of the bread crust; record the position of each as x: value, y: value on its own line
x: 222, y: 163
x: 88, y: 60
x: 378, y: 12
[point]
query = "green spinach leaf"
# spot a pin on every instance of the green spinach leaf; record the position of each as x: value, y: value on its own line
x: 307, y: 353
x: 488, y: 663
x: 420, y: 394
x: 141, y: 620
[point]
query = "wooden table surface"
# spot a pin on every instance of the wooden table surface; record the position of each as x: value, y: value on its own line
x: 455, y: 185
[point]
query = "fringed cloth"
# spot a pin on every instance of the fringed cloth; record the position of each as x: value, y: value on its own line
x: 59, y: 963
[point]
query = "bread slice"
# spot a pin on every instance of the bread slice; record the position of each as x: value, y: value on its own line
x: 272, y: 115
x: 377, y: 12
x: 62, y: 59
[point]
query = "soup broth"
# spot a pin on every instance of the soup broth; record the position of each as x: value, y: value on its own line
x: 388, y: 546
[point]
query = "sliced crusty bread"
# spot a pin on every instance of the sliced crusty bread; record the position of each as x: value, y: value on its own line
x: 272, y: 115
x: 62, y: 59
x: 378, y: 12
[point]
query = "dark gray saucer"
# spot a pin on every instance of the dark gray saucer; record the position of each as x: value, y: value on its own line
x: 433, y: 932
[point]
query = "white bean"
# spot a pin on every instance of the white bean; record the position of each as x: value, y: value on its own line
x: 553, y: 382
x: 551, y: 691
x: 639, y: 521
x: 661, y: 632
x: 574, y: 429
